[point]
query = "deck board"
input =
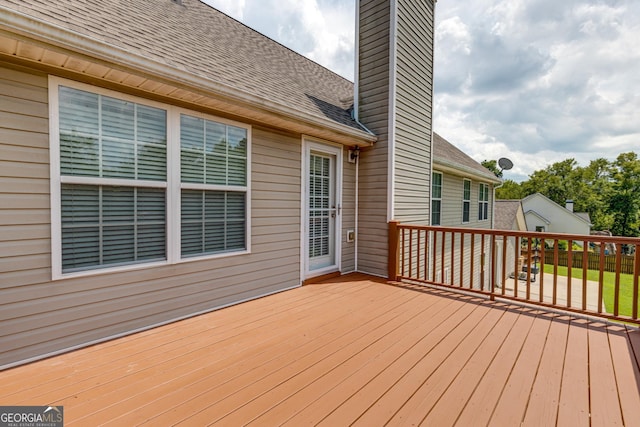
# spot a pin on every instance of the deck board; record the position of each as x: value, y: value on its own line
x: 350, y: 350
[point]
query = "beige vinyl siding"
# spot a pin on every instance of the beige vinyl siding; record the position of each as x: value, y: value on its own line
x: 373, y: 99
x: 348, y: 214
x: 452, y: 192
x: 40, y: 316
x: 452, y: 267
x: 414, y: 75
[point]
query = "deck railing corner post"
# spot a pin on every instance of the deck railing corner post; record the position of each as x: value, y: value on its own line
x: 394, y: 250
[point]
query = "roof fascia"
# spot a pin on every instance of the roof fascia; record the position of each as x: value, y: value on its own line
x: 464, y: 171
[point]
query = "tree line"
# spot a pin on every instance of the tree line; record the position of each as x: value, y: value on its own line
x: 609, y: 191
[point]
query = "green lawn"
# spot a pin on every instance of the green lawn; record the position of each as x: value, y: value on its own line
x: 626, y: 286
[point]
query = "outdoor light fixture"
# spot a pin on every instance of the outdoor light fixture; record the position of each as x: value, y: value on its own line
x: 353, y: 154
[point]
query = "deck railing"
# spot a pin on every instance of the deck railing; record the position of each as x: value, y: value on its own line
x: 522, y: 266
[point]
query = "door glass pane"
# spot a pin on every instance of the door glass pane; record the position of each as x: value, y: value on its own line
x: 321, y: 212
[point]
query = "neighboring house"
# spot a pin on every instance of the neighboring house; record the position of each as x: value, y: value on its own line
x: 509, y: 216
x: 543, y: 214
x: 159, y: 159
x: 461, y: 188
x: 461, y: 196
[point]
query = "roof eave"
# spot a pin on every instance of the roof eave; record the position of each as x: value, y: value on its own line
x: 462, y: 170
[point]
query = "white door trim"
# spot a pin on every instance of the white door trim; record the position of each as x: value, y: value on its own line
x: 310, y: 145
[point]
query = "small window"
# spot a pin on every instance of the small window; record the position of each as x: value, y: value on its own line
x: 483, y: 202
x: 466, y: 200
x: 436, y: 198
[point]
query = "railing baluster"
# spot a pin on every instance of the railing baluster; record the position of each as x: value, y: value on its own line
x: 427, y: 249
x: 569, y: 266
x: 542, y: 260
x: 529, y: 254
x: 434, y: 256
x: 585, y: 258
x: 483, y: 260
x: 453, y: 257
x: 403, y: 252
x: 601, y: 267
x: 461, y: 259
x: 418, y: 255
x: 492, y: 282
x: 555, y: 271
x: 517, y: 268
x: 410, y: 272
x: 442, y: 260
x: 505, y: 247
x: 473, y: 256
x: 636, y: 272
x: 616, y: 300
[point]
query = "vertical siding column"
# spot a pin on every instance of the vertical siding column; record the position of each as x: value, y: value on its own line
x: 394, y: 100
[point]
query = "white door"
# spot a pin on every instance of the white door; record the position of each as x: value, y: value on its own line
x: 322, y: 210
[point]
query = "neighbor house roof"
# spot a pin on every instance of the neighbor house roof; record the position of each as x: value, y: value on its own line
x: 581, y: 216
x: 506, y: 214
x: 190, y: 39
x: 447, y: 155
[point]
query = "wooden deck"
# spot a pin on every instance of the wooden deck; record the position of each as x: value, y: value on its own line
x: 352, y: 350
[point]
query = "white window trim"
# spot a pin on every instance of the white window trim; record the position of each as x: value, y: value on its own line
x: 465, y: 180
x: 172, y: 183
x: 437, y: 198
x: 481, y: 203
x: 313, y: 144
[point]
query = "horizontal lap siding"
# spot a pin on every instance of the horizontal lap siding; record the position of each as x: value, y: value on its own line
x: 348, y: 214
x: 452, y: 192
x: 373, y: 93
x: 413, y: 114
x: 40, y: 316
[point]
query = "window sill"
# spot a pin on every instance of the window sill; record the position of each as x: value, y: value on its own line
x: 142, y: 266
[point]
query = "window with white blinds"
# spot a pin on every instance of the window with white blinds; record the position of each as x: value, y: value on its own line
x: 483, y: 202
x: 213, y: 173
x: 436, y: 198
x: 466, y: 200
x: 123, y: 191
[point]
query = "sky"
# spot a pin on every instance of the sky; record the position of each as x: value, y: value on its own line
x: 536, y: 81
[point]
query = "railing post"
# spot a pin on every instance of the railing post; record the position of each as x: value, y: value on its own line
x: 394, y: 250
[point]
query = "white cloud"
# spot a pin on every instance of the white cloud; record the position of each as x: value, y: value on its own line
x: 233, y: 8
x: 322, y: 30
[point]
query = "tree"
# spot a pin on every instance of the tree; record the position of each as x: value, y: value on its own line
x: 556, y: 181
x: 492, y: 165
x: 592, y: 193
x: 510, y: 190
x: 624, y: 200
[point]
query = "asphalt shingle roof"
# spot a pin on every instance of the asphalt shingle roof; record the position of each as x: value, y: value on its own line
x: 446, y: 153
x: 195, y: 38
x: 506, y: 212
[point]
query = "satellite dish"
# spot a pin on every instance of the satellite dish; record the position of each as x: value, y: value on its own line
x: 505, y: 164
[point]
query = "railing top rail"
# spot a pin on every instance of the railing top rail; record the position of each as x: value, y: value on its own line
x: 528, y: 234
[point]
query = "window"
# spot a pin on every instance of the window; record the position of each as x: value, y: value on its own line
x: 436, y: 198
x: 466, y: 200
x: 213, y: 165
x: 118, y: 199
x: 483, y: 202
